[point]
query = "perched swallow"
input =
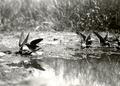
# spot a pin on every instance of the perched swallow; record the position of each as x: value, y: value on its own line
x: 103, y: 40
x: 26, y: 48
x: 86, y: 42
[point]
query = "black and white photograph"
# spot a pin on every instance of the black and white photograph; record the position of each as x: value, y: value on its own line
x: 59, y: 42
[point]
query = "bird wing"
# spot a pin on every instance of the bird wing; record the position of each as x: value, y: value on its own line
x: 100, y: 37
x: 82, y: 35
x: 36, y: 41
x: 88, y: 38
x: 21, y: 39
x: 25, y: 41
x: 106, y: 36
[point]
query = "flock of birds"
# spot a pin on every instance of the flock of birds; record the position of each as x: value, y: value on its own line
x: 87, y: 41
x: 26, y: 48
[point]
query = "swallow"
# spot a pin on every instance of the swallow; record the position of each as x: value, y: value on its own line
x: 87, y: 41
x: 26, y: 48
x: 103, y: 40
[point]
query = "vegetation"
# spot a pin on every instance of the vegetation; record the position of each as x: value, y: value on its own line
x: 60, y: 15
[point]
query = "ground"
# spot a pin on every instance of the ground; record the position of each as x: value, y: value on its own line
x: 65, y: 63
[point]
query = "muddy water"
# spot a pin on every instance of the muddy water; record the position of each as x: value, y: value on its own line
x: 101, y: 68
x: 102, y: 71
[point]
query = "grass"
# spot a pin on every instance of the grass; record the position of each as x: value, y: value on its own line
x: 60, y: 15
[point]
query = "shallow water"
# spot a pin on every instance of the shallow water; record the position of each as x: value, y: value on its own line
x: 85, y: 71
x: 88, y: 71
x: 65, y: 65
x: 88, y: 67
